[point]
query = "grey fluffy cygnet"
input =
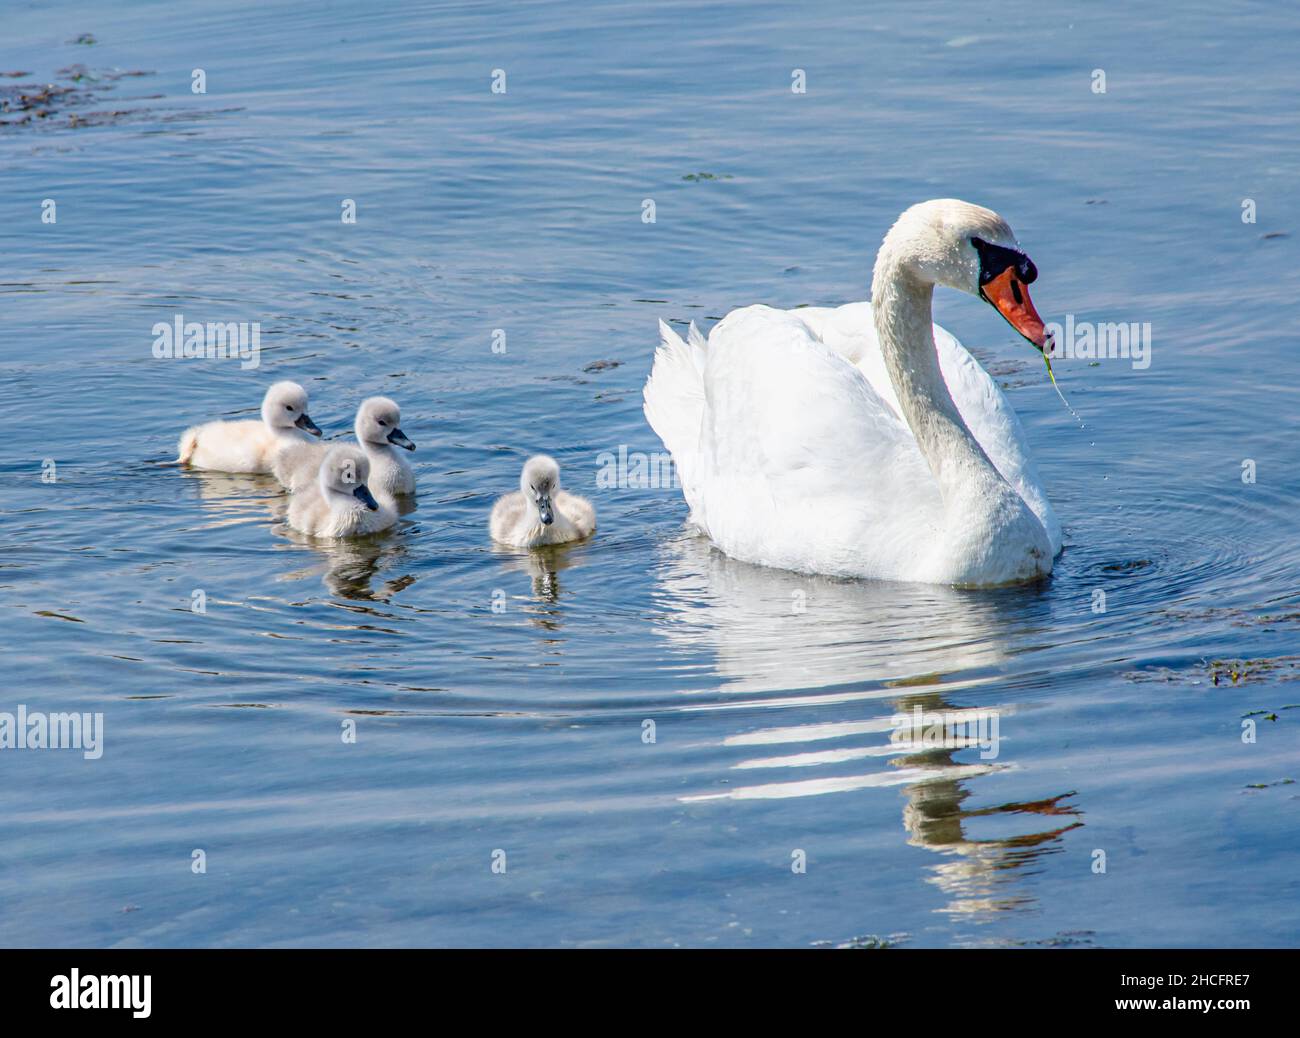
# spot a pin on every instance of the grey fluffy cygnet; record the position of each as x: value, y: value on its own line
x: 379, y: 432
x: 339, y: 502
x: 251, y: 445
x: 539, y: 512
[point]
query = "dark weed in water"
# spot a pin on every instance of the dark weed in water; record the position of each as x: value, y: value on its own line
x: 867, y: 941
x: 1064, y: 939
x: 1128, y: 566
x: 66, y: 101
x: 602, y: 365
x: 1240, y: 672
x: 1224, y: 673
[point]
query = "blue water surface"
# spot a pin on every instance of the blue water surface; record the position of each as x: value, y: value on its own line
x: 1123, y: 807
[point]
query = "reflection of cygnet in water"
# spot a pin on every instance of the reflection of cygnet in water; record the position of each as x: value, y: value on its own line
x: 234, y: 498
x: 539, y: 512
x: 250, y: 445
x: 379, y: 432
x: 339, y: 503
x: 543, y: 567
x: 363, y: 569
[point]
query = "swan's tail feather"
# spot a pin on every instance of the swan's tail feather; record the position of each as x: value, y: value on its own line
x: 674, y: 399
x: 698, y: 345
x: 189, y: 442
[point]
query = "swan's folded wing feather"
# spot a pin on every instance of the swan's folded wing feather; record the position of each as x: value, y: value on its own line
x: 803, y: 457
x: 850, y: 331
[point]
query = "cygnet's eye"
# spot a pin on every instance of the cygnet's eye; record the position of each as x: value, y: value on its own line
x: 382, y: 422
x: 288, y: 407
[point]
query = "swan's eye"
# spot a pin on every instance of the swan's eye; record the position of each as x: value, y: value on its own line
x: 288, y: 407
x: 995, y: 259
x: 382, y: 422
x: 1015, y: 291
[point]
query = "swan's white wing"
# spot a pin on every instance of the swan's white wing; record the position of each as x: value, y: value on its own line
x: 801, y: 463
x: 851, y: 332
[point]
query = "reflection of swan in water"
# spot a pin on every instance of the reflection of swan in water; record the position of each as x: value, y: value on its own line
x: 860, y: 658
x: 977, y: 873
x: 773, y: 630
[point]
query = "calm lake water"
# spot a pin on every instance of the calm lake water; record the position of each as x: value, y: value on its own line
x: 522, y: 729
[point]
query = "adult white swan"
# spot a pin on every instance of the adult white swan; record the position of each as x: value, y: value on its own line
x: 864, y: 440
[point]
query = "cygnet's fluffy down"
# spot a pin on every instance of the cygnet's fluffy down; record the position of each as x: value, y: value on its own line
x: 379, y: 432
x: 339, y: 503
x: 539, y: 512
x: 251, y: 445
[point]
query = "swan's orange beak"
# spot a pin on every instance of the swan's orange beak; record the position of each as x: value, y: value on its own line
x: 1011, y: 297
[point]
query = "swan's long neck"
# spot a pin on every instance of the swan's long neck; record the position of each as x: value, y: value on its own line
x: 901, y: 306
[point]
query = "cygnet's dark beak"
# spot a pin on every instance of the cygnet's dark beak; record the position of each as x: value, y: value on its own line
x: 544, y: 511
x: 398, y: 438
x: 363, y: 494
x: 307, y: 424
